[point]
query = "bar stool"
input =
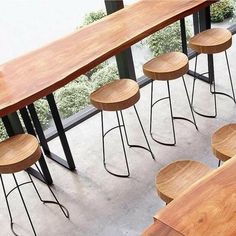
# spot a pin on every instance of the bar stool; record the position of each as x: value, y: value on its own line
x: 176, y: 177
x: 117, y: 96
x: 168, y: 67
x: 210, y: 42
x: 18, y: 153
x: 223, y: 142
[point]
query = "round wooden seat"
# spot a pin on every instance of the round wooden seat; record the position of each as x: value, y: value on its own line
x: 175, y: 178
x: 211, y: 41
x: 223, y: 142
x: 168, y: 66
x: 116, y: 95
x: 19, y: 152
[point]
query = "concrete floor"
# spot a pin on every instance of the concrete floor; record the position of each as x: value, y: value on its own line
x: 101, y: 204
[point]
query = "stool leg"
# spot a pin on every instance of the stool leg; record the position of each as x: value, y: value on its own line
x: 186, y: 90
x: 194, y: 80
x: 213, y: 84
x: 171, y: 114
x: 230, y: 77
x: 137, y: 146
x: 150, y: 127
x: 8, y: 207
x: 103, y: 142
x: 144, y: 134
x: 125, y: 131
x: 123, y: 145
x: 63, y: 208
x: 193, y: 90
x: 219, y: 163
x: 22, y: 199
x: 103, y: 147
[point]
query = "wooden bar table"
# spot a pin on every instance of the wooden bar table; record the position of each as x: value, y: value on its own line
x: 207, y: 208
x: 158, y: 228
x: 39, y: 73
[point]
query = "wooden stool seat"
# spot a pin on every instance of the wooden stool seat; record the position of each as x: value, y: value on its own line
x: 116, y: 95
x: 175, y: 178
x: 168, y: 66
x: 19, y: 152
x: 223, y: 142
x: 211, y: 41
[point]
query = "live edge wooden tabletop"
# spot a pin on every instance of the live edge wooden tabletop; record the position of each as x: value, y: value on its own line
x: 39, y: 73
x: 208, y: 208
x: 158, y: 228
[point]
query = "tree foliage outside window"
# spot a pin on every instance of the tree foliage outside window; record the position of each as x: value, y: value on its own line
x: 93, y: 16
x: 222, y: 10
x: 167, y: 39
x: 3, y: 133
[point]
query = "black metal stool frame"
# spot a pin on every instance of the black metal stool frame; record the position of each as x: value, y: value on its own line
x: 119, y: 126
x: 63, y: 208
x: 171, y: 113
x: 212, y: 88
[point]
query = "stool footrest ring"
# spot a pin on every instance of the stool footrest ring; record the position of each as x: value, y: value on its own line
x: 224, y: 94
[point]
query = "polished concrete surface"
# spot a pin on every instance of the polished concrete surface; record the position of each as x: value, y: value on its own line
x: 104, y: 205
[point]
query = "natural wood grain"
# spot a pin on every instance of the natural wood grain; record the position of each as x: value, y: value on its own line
x: 223, y: 142
x: 168, y: 66
x: 160, y: 229
x: 116, y: 95
x: 211, y: 41
x: 30, y: 77
x: 175, y: 178
x: 208, y: 207
x: 19, y: 152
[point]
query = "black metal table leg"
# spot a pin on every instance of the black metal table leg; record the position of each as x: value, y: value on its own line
x: 69, y: 163
x: 43, y: 140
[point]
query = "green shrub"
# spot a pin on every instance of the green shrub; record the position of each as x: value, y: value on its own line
x: 3, y: 132
x: 43, y: 111
x: 72, y: 98
x: 83, y: 80
x: 167, y: 39
x: 222, y: 10
x: 93, y: 16
x: 95, y: 69
x: 104, y: 76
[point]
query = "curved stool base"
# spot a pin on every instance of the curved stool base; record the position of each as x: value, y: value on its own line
x: 204, y: 115
x: 213, y: 90
x: 119, y: 126
x: 130, y: 146
x: 117, y: 175
x: 66, y: 212
x: 175, y: 118
x: 171, y: 112
x: 44, y: 201
x: 139, y: 146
